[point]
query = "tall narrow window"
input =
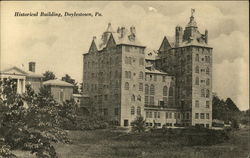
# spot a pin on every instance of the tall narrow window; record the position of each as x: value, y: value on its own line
x: 152, y: 89
x: 138, y: 111
x: 197, y: 81
x: 133, y: 97
x: 146, y: 100
x: 140, y: 86
x: 197, y: 69
x: 202, y: 93
x: 197, y: 57
x: 207, y: 93
x: 132, y: 110
x: 151, y: 100
x: 141, y: 75
x: 171, y: 91
x: 126, y: 86
x: 207, y: 71
x: 146, y: 89
x: 165, y: 91
x: 197, y: 103
x: 207, y: 82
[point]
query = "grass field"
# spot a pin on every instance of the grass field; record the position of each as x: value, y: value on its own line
x: 117, y: 144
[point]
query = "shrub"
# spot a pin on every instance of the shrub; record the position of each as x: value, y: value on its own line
x: 138, y: 125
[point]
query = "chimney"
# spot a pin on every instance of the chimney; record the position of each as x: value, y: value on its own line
x: 206, y: 36
x: 32, y: 66
x: 178, y: 35
x: 122, y: 32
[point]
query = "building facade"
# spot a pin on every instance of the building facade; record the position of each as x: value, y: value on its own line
x: 171, y: 86
x: 23, y: 77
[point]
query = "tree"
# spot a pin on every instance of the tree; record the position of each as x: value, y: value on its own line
x: 33, y: 128
x: 49, y: 75
x: 68, y: 79
x: 138, y: 125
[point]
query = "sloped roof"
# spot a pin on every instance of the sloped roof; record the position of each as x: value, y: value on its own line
x: 155, y: 71
x: 57, y: 82
x: 8, y: 69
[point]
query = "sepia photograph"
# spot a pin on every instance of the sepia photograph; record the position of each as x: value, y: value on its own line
x: 124, y: 79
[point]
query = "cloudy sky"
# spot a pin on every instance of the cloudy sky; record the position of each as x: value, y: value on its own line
x: 57, y: 44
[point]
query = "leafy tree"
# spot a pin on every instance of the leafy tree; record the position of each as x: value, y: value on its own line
x: 138, y: 125
x: 68, y: 79
x: 49, y: 75
x: 33, y: 128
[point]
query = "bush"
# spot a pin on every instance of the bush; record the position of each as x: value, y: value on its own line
x: 138, y: 125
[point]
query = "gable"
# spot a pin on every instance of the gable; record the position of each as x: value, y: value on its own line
x: 165, y: 45
x: 93, y: 47
x: 14, y: 70
x: 111, y: 41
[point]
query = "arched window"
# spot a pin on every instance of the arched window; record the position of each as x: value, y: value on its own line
x: 133, y: 97
x: 139, y: 98
x: 197, y: 57
x: 207, y: 71
x: 141, y: 61
x: 197, y: 69
x: 146, y: 89
x: 132, y: 110
x: 207, y: 93
x: 141, y: 75
x: 202, y: 93
x: 126, y: 86
x: 138, y: 110
x: 197, y: 80
x: 171, y: 91
x: 152, y: 89
x: 165, y: 91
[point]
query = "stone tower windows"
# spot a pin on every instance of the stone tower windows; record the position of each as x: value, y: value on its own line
x: 152, y: 89
x: 197, y: 70
x: 126, y: 86
x: 197, y: 80
x: 141, y: 75
x: 165, y: 91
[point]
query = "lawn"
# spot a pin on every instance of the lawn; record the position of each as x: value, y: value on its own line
x: 116, y: 144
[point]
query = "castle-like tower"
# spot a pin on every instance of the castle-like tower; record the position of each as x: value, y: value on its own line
x: 171, y: 86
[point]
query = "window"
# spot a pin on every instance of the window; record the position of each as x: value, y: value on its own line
x: 163, y: 78
x: 150, y: 114
x: 147, y: 115
x: 187, y: 115
x: 170, y: 115
x: 202, y: 116
x: 207, y: 82
x: 151, y: 101
x: 152, y: 89
x: 166, y: 115
x: 146, y: 89
x: 197, y: 69
x: 140, y: 86
x: 126, y: 86
x: 196, y: 115
x: 141, y: 51
x: 155, y: 77
x: 133, y: 97
x: 207, y: 93
x: 197, y: 57
x: 207, y: 116
x: 139, y: 98
x: 207, y: 104
x: 202, y: 93
x: 138, y: 110
x: 141, y: 61
x: 175, y: 115
x: 197, y: 80
x: 165, y: 91
x: 132, y: 110
x: 146, y: 100
x: 207, y: 71
x: 165, y: 100
x: 141, y: 75
x: 158, y: 115
x: 155, y: 114
x: 197, y: 103
x: 171, y: 91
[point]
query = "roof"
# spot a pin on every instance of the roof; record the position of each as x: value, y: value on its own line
x: 155, y: 71
x: 8, y: 69
x: 57, y: 82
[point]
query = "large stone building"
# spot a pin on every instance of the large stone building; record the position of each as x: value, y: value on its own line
x: 171, y: 86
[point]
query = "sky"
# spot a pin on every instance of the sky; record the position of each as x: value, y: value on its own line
x: 57, y: 44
